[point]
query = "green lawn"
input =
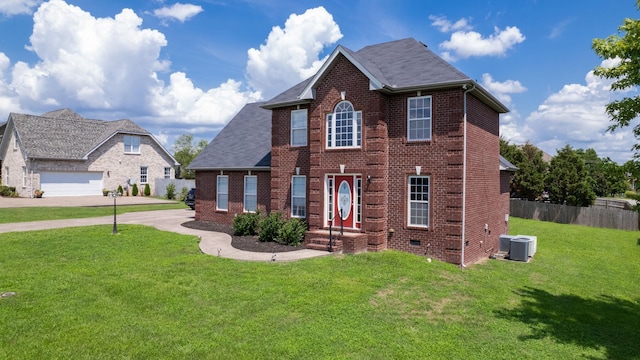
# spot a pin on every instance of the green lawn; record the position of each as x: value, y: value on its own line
x: 84, y: 293
x: 13, y: 215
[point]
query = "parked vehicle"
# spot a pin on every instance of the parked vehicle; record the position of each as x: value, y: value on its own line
x: 190, y: 200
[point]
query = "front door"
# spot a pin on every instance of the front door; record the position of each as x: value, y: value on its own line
x: 344, y: 200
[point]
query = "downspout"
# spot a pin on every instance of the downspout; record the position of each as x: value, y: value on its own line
x: 464, y: 173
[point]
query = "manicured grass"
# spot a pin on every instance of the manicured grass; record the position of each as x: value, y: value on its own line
x: 13, y: 215
x: 84, y: 293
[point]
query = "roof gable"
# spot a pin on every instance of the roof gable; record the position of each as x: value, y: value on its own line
x: 395, y: 66
x: 244, y: 143
x: 65, y: 135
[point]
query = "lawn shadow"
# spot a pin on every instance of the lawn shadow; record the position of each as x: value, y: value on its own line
x: 606, y: 322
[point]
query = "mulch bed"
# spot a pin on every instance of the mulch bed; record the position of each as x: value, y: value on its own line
x: 247, y: 243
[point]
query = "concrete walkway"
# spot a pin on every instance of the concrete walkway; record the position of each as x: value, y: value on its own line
x: 212, y: 243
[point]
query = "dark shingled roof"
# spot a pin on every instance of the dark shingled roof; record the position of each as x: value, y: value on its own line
x: 395, y: 66
x: 244, y: 143
x: 63, y: 134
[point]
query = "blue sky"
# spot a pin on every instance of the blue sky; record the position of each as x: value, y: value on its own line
x: 188, y: 67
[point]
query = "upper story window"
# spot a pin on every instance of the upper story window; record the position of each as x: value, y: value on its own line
x: 419, y: 118
x: 15, y: 140
x: 344, y: 127
x: 132, y: 144
x: 299, y: 127
x: 167, y: 173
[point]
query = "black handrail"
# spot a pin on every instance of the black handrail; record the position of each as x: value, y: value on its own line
x: 331, y: 234
x: 341, y: 223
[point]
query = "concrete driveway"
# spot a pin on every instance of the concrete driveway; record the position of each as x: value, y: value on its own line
x: 75, y: 201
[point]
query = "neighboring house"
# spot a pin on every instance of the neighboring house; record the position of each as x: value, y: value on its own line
x: 390, y: 143
x: 64, y: 154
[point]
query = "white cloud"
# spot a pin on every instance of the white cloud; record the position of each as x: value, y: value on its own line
x: 509, y: 128
x: 502, y: 90
x: 291, y: 55
x: 444, y: 25
x: 17, y: 7
x: 465, y: 44
x: 178, y: 11
x: 576, y: 115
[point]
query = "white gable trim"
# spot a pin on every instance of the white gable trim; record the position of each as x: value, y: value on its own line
x: 309, y: 91
x: 86, y: 156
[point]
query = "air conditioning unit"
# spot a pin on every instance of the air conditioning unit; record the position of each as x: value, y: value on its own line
x: 505, y: 243
x: 533, y: 245
x: 520, y: 249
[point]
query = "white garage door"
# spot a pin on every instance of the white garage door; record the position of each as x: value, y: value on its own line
x: 71, y: 183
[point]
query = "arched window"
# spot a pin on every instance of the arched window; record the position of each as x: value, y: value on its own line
x: 344, y: 126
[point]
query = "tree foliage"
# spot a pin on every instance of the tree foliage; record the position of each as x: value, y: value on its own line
x: 568, y: 179
x: 624, y: 51
x: 528, y: 181
x: 184, y: 151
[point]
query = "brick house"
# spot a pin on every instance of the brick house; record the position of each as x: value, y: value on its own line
x: 65, y: 154
x: 390, y: 143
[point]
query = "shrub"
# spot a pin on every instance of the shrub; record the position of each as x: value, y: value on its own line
x: 147, y: 189
x: 292, y: 232
x: 183, y: 193
x: 8, y: 191
x: 120, y: 191
x: 171, y: 191
x: 246, y: 224
x: 632, y: 195
x: 270, y: 227
x: 134, y: 190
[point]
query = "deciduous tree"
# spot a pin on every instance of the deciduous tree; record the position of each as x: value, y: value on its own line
x: 185, y: 151
x: 568, y: 180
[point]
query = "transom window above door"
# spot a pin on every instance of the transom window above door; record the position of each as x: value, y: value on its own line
x: 344, y: 127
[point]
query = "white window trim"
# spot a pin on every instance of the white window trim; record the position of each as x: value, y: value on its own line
x: 356, y: 129
x: 24, y: 177
x: 124, y: 140
x: 430, y: 118
x: 409, y: 202
x: 306, y: 121
x: 218, y: 192
x: 146, y: 174
x: 167, y: 174
x: 244, y: 202
x: 304, y: 195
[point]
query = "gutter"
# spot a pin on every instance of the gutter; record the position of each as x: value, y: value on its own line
x: 464, y: 173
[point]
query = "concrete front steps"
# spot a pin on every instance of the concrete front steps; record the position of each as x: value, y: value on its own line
x: 348, y: 242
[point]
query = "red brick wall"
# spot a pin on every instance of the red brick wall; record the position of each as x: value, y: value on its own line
x: 206, y: 182
x: 440, y: 159
x: 505, y: 199
x: 484, y: 203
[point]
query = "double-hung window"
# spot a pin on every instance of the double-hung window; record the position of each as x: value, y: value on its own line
x: 250, y: 193
x: 222, y: 192
x: 167, y: 173
x: 299, y: 127
x: 419, y: 118
x: 344, y: 127
x: 132, y: 144
x: 299, y: 196
x: 143, y: 174
x: 24, y: 176
x: 418, y: 201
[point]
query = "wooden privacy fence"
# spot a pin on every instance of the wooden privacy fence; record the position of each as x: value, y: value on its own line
x: 589, y: 216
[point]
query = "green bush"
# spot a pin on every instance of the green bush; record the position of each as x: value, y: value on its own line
x: 134, y: 190
x: 183, y: 193
x: 8, y: 191
x: 292, y: 232
x: 246, y: 224
x: 632, y: 195
x: 270, y: 227
x: 171, y: 191
x: 147, y: 189
x: 120, y: 190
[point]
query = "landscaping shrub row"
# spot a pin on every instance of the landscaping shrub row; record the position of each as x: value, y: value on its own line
x: 8, y: 191
x: 272, y: 227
